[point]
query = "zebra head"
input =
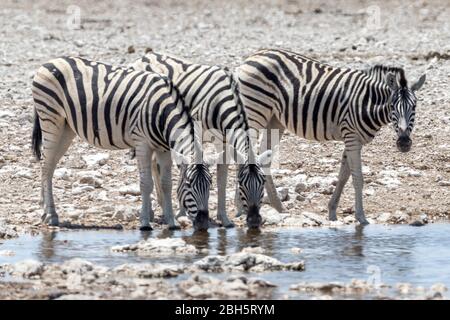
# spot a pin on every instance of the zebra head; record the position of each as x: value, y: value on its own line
x: 251, y: 181
x: 403, y: 108
x: 193, y: 193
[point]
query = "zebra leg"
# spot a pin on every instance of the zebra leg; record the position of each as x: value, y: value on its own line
x: 156, y: 173
x: 237, y: 200
x: 353, y: 152
x: 55, y: 144
x: 268, y: 144
x: 144, y: 156
x: 165, y: 164
x: 344, y: 175
x: 222, y: 173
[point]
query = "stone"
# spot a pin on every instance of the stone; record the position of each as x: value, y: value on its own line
x: 125, y: 213
x: 133, y: 190
x: 82, y: 189
x: 161, y: 247
x: 7, y: 253
x: 62, y: 173
x: 300, y: 187
x: 349, y: 219
x: 6, y: 232
x: 149, y: 270
x: 315, y: 217
x: 245, y: 261
x: 444, y: 183
x: 384, y: 217
x: 283, y: 193
x: 24, y: 173
x: 271, y: 216
x: 28, y: 269
x: 96, y: 159
x: 90, y: 181
x: 184, y: 222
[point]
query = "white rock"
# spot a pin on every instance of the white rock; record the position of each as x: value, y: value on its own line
x: 102, y: 196
x: 62, y: 173
x: 253, y: 250
x: 28, y: 268
x: 283, y: 193
x: 271, y: 216
x: 125, y: 213
x: 166, y: 246
x: 349, y: 219
x: 133, y: 190
x: 301, y: 187
x: 320, y: 220
x: 94, y: 159
x: 7, y: 253
x: 91, y: 181
x: 24, y: 173
x: 444, y: 183
x: 5, y: 114
x: 384, y: 217
x: 82, y: 189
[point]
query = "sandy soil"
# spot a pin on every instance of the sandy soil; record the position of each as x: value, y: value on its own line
x: 400, y: 188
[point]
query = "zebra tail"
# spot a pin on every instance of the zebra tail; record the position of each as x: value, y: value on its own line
x: 36, y: 139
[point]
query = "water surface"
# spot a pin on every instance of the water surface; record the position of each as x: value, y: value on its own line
x: 393, y: 254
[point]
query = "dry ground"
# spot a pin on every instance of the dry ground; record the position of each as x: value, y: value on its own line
x: 346, y: 33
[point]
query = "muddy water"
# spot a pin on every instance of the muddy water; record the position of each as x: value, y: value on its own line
x: 390, y: 254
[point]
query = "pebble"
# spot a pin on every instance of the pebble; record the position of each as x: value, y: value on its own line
x: 96, y: 159
x: 126, y: 213
x: 167, y: 246
x: 131, y: 190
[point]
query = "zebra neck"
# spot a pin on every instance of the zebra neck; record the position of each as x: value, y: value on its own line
x: 380, y: 109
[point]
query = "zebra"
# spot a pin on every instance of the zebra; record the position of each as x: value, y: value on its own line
x: 283, y: 90
x: 117, y: 108
x: 212, y: 94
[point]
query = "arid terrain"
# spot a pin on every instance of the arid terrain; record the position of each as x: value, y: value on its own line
x: 98, y: 188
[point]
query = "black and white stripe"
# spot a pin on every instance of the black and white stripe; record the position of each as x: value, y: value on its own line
x: 213, y: 97
x: 114, y: 108
x: 284, y: 90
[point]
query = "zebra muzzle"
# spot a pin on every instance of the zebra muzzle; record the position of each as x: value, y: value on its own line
x: 254, y: 219
x: 201, y: 221
x: 404, y: 143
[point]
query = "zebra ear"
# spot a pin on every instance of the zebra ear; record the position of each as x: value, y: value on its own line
x: 416, y: 86
x: 391, y: 81
x: 265, y: 158
x: 212, y: 159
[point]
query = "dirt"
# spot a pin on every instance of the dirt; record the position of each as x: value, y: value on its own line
x: 90, y: 193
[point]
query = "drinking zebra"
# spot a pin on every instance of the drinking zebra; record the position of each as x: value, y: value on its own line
x: 284, y: 90
x: 212, y: 95
x: 117, y: 108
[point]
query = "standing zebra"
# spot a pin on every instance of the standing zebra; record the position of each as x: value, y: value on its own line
x: 284, y: 90
x: 117, y: 108
x: 212, y: 94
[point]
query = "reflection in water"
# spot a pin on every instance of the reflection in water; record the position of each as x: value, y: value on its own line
x: 199, y: 239
x: 47, y: 244
x: 403, y: 253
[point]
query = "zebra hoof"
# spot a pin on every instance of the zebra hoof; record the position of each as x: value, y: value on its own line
x: 228, y: 225
x: 363, y: 221
x: 332, y: 217
x: 146, y: 228
x: 50, y: 220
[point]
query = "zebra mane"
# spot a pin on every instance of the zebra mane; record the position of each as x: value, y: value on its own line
x: 237, y: 97
x: 380, y: 71
x: 174, y: 89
